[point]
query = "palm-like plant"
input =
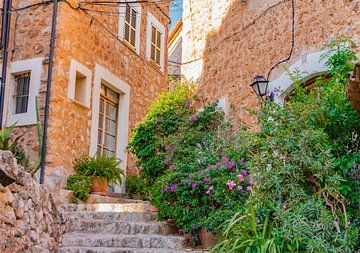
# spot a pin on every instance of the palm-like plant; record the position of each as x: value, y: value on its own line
x: 100, y: 166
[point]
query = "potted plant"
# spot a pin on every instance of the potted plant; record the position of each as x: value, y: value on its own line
x: 103, y: 170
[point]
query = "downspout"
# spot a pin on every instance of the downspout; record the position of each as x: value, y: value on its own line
x: 48, y: 91
x: 5, y: 34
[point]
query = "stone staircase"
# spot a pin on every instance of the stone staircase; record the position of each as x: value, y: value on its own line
x: 118, y: 228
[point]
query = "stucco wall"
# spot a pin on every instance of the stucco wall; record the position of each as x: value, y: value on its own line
x: 251, y: 37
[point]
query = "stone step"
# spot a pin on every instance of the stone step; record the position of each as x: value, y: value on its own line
x: 122, y: 250
x: 105, y: 226
x: 108, y: 207
x: 112, y: 216
x: 124, y: 241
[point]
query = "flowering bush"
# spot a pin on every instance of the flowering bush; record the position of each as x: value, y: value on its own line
x: 305, y: 199
x: 206, y: 177
x: 169, y: 112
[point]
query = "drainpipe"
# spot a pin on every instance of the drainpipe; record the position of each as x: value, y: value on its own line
x: 4, y: 45
x: 48, y: 91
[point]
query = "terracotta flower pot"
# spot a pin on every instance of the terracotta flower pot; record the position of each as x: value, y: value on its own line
x: 207, y: 239
x: 99, y: 185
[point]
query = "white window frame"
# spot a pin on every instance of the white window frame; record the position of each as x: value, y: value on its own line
x: 35, y: 67
x: 103, y: 75
x: 74, y: 68
x: 121, y: 32
x: 153, y: 21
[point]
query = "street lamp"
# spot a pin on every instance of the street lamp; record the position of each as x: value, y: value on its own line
x: 260, y: 86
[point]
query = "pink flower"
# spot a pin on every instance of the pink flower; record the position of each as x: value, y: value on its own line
x: 252, y: 182
x: 192, y: 118
x: 241, y: 178
x: 210, y: 190
x: 249, y: 188
x: 191, y: 176
x: 166, y: 160
x: 193, y: 186
x: 240, y: 187
x: 231, y: 184
x: 172, y: 166
x: 218, y: 165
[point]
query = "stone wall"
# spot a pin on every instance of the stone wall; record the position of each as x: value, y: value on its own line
x: 246, y: 38
x: 29, y: 221
x: 90, y: 38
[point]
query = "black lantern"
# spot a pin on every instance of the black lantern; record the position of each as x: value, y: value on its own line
x: 260, y: 86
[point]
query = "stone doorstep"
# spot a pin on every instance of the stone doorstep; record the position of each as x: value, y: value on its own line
x: 112, y: 216
x: 122, y: 250
x: 108, y: 207
x: 96, y: 226
x: 124, y: 241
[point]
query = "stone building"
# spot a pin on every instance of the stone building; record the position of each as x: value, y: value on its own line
x: 175, y: 51
x: 109, y: 65
x: 226, y: 43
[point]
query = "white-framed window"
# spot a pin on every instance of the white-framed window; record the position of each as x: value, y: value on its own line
x: 24, y: 86
x: 110, y: 118
x: 155, y: 41
x: 79, y: 83
x: 129, y: 24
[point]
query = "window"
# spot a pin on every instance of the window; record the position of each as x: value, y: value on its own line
x: 155, y: 45
x: 23, y: 87
x: 80, y: 87
x: 79, y: 83
x: 108, y: 120
x: 155, y: 41
x: 130, y: 25
x: 21, y: 93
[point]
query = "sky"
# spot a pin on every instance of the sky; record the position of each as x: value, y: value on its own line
x: 175, y: 12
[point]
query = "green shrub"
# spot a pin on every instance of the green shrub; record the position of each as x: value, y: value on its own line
x: 81, y: 185
x: 206, y: 179
x: 169, y: 112
x: 137, y: 187
x: 7, y: 144
x: 101, y: 166
x: 305, y: 199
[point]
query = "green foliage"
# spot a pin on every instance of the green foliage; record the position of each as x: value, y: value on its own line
x: 6, y: 143
x: 205, y: 180
x: 81, y: 185
x: 137, y: 186
x: 100, y: 166
x: 306, y: 197
x: 40, y: 135
x: 169, y: 112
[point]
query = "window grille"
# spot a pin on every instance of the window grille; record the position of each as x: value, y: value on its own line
x: 22, y: 89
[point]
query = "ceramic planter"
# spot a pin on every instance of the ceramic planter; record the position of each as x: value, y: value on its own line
x: 99, y: 185
x: 207, y: 239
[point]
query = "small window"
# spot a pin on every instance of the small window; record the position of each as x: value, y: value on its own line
x: 80, y: 88
x: 108, y: 120
x: 130, y: 25
x: 21, y: 94
x: 155, y: 45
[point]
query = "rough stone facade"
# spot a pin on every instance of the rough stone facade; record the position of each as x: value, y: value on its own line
x: 226, y: 43
x: 29, y: 221
x: 91, y: 38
